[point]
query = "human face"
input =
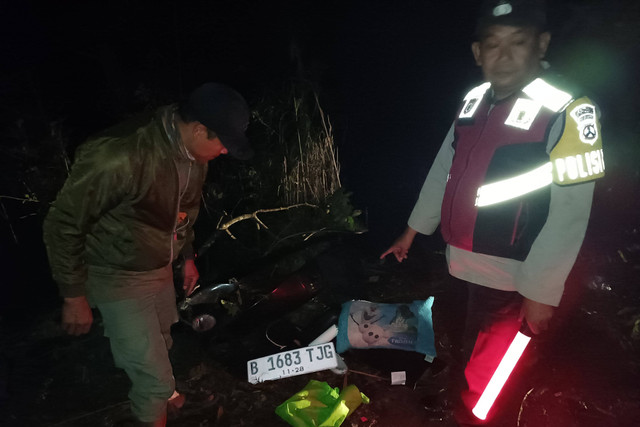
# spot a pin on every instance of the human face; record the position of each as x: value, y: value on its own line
x: 203, y: 146
x: 510, y: 56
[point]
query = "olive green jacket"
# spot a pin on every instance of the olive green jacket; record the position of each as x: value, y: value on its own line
x: 118, y: 211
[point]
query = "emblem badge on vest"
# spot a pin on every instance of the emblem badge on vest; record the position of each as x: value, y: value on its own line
x: 523, y: 113
x: 469, y: 108
x: 585, y: 117
x: 472, y: 100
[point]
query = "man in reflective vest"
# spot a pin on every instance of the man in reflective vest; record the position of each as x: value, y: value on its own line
x: 511, y: 188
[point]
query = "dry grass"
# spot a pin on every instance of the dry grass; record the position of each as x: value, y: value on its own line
x: 313, y: 174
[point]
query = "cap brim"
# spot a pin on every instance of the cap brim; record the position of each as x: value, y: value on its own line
x: 238, y: 146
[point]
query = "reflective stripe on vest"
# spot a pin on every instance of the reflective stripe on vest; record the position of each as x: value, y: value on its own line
x: 510, y: 188
x: 538, y: 90
x: 547, y: 95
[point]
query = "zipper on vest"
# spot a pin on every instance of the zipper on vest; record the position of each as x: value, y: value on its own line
x: 466, y: 166
x: 515, y: 224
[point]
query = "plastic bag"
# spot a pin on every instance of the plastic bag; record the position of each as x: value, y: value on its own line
x: 318, y: 404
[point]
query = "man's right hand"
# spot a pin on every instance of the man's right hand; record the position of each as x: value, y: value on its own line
x: 537, y: 315
x: 400, y: 248
x: 76, y: 316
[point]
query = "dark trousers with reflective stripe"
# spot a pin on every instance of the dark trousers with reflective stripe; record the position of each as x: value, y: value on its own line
x: 490, y: 326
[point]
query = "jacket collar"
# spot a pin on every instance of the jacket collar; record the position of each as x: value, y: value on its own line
x: 168, y: 115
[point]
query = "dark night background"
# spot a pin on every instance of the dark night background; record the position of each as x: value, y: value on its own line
x: 389, y: 75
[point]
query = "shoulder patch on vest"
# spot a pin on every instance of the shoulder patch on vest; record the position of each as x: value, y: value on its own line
x: 578, y: 155
x: 472, y: 100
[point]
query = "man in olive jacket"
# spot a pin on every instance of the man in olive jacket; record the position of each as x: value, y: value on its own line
x: 125, y: 213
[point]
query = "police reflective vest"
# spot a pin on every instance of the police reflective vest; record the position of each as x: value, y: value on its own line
x: 498, y: 190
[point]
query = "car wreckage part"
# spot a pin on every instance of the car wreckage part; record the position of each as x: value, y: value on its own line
x: 203, y: 322
x: 327, y: 336
x: 210, y: 294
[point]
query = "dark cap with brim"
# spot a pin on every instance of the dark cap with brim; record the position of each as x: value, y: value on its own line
x: 225, y: 112
x: 516, y: 13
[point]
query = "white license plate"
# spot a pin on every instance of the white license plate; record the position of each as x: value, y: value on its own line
x: 293, y: 362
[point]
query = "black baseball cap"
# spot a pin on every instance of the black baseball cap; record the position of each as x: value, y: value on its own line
x: 223, y: 111
x: 516, y: 13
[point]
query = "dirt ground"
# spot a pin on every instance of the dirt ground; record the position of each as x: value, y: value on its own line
x: 585, y: 374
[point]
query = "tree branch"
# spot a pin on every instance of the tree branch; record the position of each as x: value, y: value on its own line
x: 225, y: 226
x: 27, y: 198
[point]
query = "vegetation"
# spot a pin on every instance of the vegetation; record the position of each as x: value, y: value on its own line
x: 289, y: 198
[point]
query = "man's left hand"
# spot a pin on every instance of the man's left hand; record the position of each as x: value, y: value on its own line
x: 191, y: 276
x: 537, y: 315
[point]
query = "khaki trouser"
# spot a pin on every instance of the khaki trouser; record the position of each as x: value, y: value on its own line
x: 139, y: 331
